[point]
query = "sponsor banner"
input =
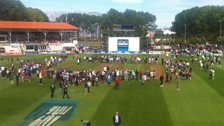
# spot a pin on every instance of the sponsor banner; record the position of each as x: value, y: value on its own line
x: 114, y: 52
x: 143, y: 53
x: 13, y: 53
x: 49, y: 112
x: 218, y: 54
x: 43, y: 52
x: 29, y: 52
x: 156, y: 52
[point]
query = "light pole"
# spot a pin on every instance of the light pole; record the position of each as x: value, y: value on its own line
x: 185, y: 34
x: 220, y: 28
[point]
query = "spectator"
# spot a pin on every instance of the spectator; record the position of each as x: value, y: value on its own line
x: 52, y: 88
x: 116, y: 119
x: 161, y: 80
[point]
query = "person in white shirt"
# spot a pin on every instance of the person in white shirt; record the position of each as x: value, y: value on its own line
x: 151, y: 75
x: 105, y: 69
x: 116, y: 119
x: 126, y: 75
x: 40, y: 78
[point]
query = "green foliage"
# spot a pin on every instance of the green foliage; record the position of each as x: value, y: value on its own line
x: 36, y: 15
x: 220, y: 40
x: 141, y: 21
x: 197, y: 40
x: 14, y: 10
x: 159, y: 34
x: 200, y: 22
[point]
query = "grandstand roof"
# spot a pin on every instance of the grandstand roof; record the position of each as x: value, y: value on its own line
x: 36, y: 25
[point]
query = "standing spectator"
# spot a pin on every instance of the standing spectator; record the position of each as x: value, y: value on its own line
x: 154, y: 74
x: 96, y: 80
x: 161, y: 80
x: 117, y: 82
x: 89, y: 85
x: 178, y: 83
x: 167, y: 75
x: 162, y: 61
x: 43, y: 72
x: 52, y: 88
x: 102, y: 76
x: 116, y: 119
x: 133, y: 74
x: 85, y: 88
x: 212, y: 74
x: 76, y: 80
x: 136, y: 74
x: 65, y: 91
x: 140, y: 74
x: 3, y: 69
x: 37, y: 73
x: 144, y: 78
x: 109, y: 79
x: 126, y: 75
x: 40, y: 79
x: 23, y: 75
x: 60, y: 86
x: 78, y: 61
x: 11, y: 77
x: 17, y: 79
x: 151, y: 75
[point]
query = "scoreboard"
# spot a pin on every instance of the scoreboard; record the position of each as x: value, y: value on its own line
x: 124, y: 44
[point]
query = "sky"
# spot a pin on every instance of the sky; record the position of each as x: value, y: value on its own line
x: 165, y: 10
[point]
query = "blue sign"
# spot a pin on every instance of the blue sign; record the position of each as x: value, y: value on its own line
x: 49, y: 112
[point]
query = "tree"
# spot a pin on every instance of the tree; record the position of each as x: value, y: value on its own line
x: 36, y: 15
x: 200, y: 22
x: 220, y: 40
x: 14, y: 10
x: 141, y: 22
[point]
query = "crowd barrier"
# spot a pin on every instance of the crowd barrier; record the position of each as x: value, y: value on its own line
x: 104, y: 52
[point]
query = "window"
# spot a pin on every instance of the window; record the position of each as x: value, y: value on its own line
x: 3, y: 38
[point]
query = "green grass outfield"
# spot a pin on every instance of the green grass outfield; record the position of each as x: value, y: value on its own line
x: 200, y: 102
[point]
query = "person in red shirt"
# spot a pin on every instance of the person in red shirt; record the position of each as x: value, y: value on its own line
x: 140, y: 74
x: 43, y: 72
x: 117, y: 81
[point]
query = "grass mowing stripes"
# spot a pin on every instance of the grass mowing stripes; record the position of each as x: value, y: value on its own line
x: 138, y: 105
x: 87, y: 105
x: 196, y: 105
x: 218, y: 83
x: 19, y: 101
x: 200, y: 102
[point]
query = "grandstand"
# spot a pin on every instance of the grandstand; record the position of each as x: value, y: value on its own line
x: 20, y: 37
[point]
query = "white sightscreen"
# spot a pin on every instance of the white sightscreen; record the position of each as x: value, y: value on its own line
x: 133, y: 43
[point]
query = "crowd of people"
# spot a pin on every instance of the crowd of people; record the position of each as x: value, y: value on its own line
x: 117, y: 59
x: 178, y: 69
x: 30, y: 69
x: 27, y: 69
x: 198, y: 49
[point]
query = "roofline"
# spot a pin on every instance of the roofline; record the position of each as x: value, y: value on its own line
x: 43, y: 25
